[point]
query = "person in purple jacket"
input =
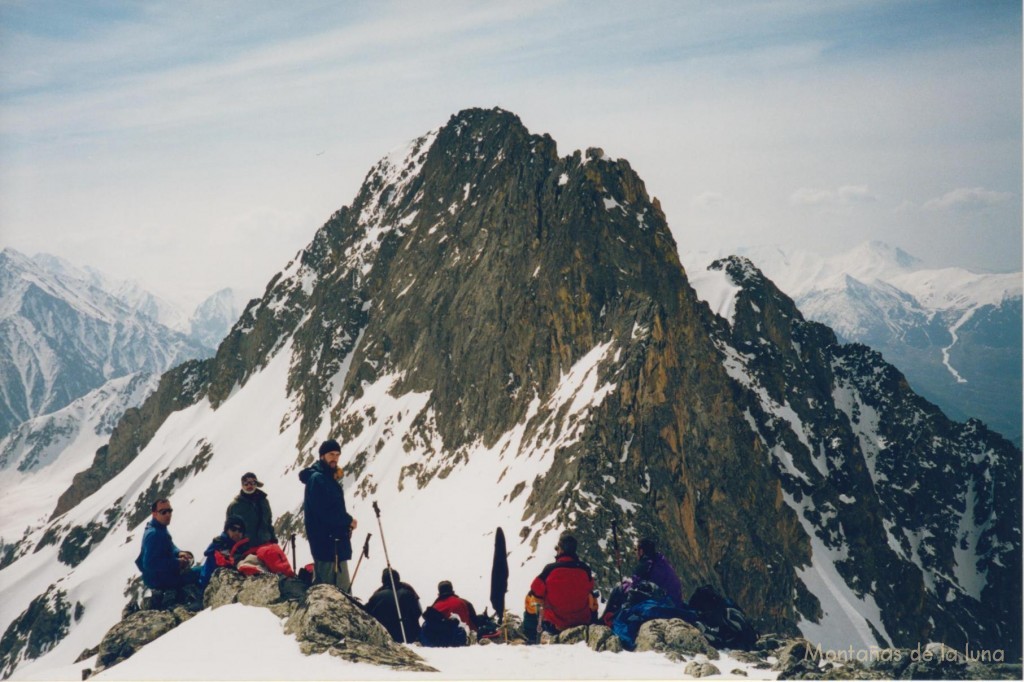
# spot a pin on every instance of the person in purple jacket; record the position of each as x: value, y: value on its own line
x: 651, y: 566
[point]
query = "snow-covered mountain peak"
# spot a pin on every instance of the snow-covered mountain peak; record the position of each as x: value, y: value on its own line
x: 214, y: 317
x: 66, y: 330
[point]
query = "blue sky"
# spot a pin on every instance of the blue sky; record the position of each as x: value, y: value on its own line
x: 195, y: 145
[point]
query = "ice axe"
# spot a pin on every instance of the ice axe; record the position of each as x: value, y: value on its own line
x: 364, y: 553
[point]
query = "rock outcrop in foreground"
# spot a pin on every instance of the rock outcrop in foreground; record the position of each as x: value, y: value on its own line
x: 324, y: 620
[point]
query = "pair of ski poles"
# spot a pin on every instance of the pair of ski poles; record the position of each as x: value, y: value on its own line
x: 387, y: 559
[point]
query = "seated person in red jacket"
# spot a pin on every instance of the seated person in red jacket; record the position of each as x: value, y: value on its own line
x: 565, y: 589
x: 448, y: 602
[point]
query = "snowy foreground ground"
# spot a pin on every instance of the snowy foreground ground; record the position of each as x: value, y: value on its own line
x: 247, y: 643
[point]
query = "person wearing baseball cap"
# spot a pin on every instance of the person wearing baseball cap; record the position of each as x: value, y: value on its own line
x: 252, y: 505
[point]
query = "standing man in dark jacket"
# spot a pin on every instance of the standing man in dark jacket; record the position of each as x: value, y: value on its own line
x: 565, y: 589
x: 252, y: 505
x: 328, y: 524
x: 163, y: 565
x: 382, y: 607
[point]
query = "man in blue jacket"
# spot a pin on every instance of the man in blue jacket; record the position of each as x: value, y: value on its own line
x: 163, y: 565
x: 328, y: 524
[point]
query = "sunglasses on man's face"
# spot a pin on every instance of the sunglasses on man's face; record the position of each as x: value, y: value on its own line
x: 248, y: 482
x: 164, y: 512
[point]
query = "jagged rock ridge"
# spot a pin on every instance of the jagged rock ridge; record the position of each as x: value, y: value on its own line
x: 955, y: 335
x: 486, y: 305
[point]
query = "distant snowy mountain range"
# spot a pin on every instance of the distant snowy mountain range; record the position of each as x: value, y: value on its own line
x: 65, y: 331
x: 955, y: 334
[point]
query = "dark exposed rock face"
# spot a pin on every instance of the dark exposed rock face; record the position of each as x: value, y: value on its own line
x: 888, y: 478
x: 482, y: 268
x: 37, y: 630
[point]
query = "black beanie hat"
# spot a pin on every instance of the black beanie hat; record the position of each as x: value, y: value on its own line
x: 234, y: 520
x: 329, y: 446
x: 385, y: 579
x: 444, y: 589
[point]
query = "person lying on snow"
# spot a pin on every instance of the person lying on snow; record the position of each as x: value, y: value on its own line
x: 563, y: 592
x: 381, y: 606
x: 226, y: 550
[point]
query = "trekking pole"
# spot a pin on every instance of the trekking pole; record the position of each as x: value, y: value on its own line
x: 615, y: 542
x: 364, y: 553
x: 295, y: 562
x: 391, y: 575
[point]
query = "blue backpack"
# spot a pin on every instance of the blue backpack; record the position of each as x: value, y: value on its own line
x: 645, y: 601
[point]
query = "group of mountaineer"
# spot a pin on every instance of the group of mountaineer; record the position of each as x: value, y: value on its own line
x: 562, y: 596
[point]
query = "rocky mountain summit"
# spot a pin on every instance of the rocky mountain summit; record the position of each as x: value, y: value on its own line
x: 502, y: 336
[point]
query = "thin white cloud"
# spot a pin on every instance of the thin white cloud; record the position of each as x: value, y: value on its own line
x: 154, y: 134
x: 855, y: 194
x: 707, y: 199
x: 967, y: 198
x: 808, y: 196
x: 845, y: 195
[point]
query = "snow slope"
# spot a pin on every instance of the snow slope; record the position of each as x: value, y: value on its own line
x: 214, y: 638
x: 39, y: 459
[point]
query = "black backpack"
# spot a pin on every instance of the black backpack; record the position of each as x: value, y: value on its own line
x: 722, y: 621
x: 438, y: 631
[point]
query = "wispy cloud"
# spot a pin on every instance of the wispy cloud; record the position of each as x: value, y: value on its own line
x: 845, y: 195
x: 169, y: 121
x: 967, y: 198
x: 707, y: 199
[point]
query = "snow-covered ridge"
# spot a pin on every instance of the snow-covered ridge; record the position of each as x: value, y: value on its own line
x: 799, y: 273
x: 39, y: 459
x: 951, y: 331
